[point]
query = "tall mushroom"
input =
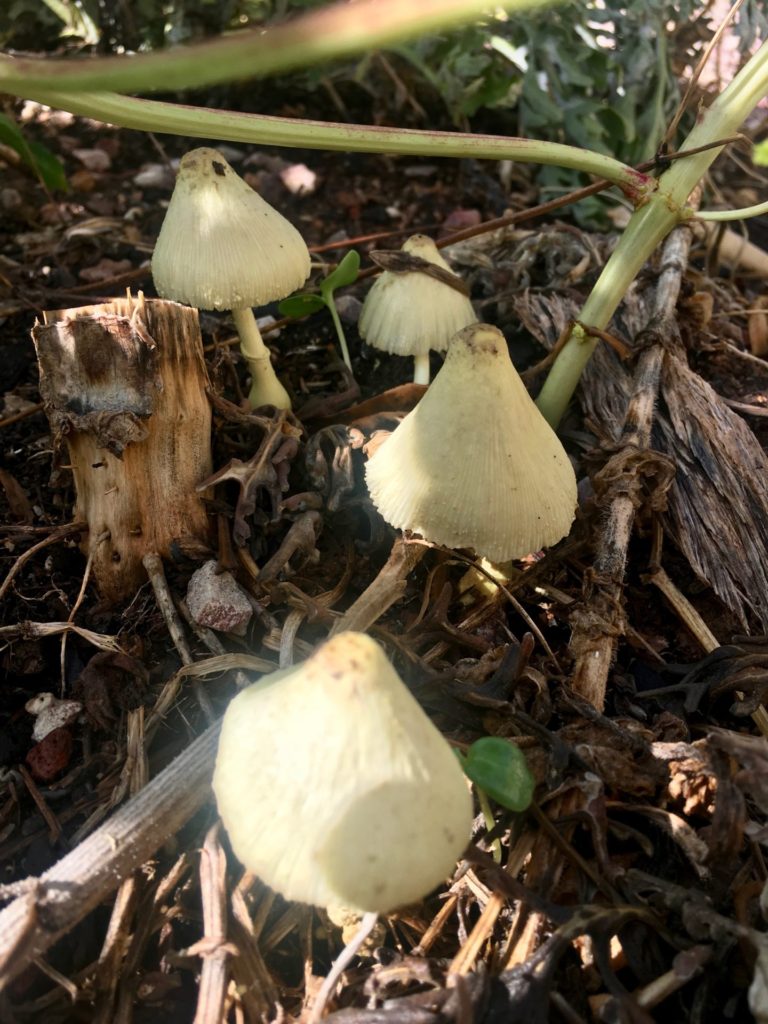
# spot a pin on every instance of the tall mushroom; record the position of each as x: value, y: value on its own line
x: 417, y: 304
x: 475, y: 464
x: 335, y: 787
x: 221, y: 246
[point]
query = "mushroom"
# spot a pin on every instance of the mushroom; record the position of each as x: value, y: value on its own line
x: 475, y: 464
x: 335, y: 787
x: 418, y: 303
x: 221, y: 246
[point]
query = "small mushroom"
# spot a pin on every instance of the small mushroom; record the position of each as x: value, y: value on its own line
x: 335, y: 787
x: 221, y: 246
x: 417, y: 304
x: 475, y: 464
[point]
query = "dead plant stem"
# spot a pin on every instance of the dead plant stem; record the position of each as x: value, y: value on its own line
x: 213, y: 947
x: 388, y: 587
x: 61, y: 897
x: 154, y: 566
x: 599, y: 621
x: 57, y: 534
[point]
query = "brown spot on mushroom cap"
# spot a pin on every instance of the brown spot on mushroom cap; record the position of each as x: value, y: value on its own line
x: 221, y: 246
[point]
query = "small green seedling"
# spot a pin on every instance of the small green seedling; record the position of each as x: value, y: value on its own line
x: 35, y: 155
x: 311, y: 302
x: 499, y: 768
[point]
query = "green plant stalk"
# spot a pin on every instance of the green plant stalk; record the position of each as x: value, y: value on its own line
x: 649, y: 224
x: 264, y: 130
x: 331, y: 305
x: 336, y: 31
x: 490, y: 821
x: 743, y: 214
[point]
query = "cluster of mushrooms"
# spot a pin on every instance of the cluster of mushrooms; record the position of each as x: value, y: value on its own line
x: 334, y: 786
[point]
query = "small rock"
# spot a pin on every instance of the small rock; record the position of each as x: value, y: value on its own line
x: 13, y: 403
x: 420, y: 170
x: 51, y: 756
x: 230, y: 153
x: 93, y: 159
x: 155, y: 176
x: 51, y: 713
x: 460, y: 219
x: 82, y: 181
x: 105, y: 269
x: 348, y: 308
x: 217, y: 600
x: 338, y: 236
x: 10, y: 198
x: 299, y: 179
x: 264, y: 323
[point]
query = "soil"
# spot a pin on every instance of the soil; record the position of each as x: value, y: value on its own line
x: 631, y: 888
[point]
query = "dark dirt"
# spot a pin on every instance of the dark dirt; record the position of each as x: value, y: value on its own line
x: 631, y: 890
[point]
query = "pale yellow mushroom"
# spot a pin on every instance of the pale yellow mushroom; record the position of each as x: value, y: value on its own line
x: 335, y: 787
x: 221, y: 246
x: 410, y: 313
x: 475, y: 464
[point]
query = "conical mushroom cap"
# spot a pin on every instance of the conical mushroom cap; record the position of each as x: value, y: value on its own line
x: 221, y: 245
x: 475, y: 464
x: 409, y: 314
x: 335, y: 787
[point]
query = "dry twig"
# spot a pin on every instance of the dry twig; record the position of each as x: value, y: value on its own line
x: 599, y: 622
x: 213, y: 947
x: 62, y: 896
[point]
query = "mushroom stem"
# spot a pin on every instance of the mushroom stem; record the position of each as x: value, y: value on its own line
x: 266, y: 389
x: 421, y: 369
x: 343, y: 960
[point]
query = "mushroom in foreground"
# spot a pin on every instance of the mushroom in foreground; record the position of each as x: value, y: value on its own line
x: 417, y: 304
x: 335, y: 787
x: 475, y: 464
x: 221, y: 246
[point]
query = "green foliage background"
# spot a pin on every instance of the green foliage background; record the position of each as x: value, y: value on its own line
x: 600, y: 74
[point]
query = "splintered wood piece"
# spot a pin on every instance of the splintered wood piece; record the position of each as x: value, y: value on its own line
x: 388, y: 587
x: 124, y: 383
x: 52, y: 904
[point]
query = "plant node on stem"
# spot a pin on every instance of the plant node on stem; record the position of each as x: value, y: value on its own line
x: 266, y: 389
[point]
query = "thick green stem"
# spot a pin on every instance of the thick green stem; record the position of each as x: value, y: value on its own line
x: 198, y: 122
x: 266, y: 389
x: 339, y: 30
x: 648, y: 226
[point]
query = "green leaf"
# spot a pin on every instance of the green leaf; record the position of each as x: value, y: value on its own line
x: 35, y: 155
x: 301, y: 305
x: 344, y: 274
x: 499, y: 767
x: 760, y: 153
x: 10, y: 134
x: 49, y: 167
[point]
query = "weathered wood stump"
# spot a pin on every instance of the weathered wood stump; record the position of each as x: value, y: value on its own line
x: 124, y: 383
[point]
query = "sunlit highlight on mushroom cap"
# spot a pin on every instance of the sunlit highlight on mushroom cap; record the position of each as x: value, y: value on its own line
x: 335, y: 787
